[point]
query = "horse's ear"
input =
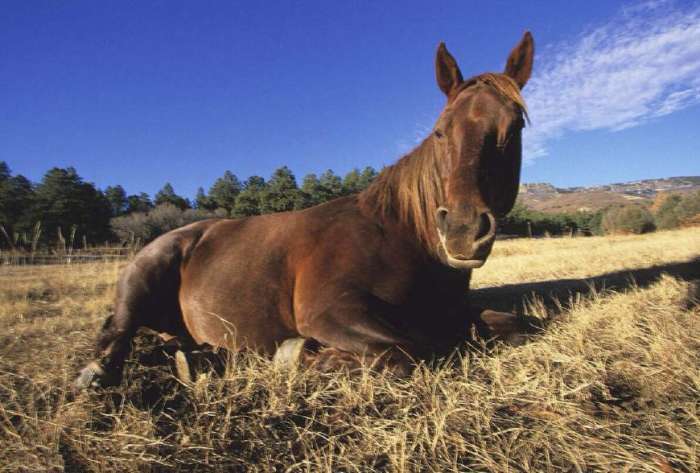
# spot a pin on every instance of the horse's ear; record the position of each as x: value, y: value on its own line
x: 519, y: 65
x: 446, y: 70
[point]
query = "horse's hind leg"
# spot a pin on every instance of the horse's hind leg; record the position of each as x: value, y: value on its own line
x: 147, y: 296
x: 113, y: 346
x: 114, y: 340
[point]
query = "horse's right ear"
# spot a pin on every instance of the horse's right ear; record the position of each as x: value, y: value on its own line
x: 446, y: 70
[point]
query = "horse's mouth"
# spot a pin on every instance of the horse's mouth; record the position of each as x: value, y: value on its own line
x: 459, y: 261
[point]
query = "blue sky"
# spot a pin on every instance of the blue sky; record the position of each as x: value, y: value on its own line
x: 140, y: 93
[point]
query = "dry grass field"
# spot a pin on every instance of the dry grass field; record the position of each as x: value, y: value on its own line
x: 612, y: 384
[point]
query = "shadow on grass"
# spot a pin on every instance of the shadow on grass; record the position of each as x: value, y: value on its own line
x: 511, y: 297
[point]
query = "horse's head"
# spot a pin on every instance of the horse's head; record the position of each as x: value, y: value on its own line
x: 478, y: 135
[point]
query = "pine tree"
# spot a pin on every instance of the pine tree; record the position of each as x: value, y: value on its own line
x: 202, y: 201
x: 4, y: 171
x: 366, y: 177
x: 16, y: 200
x: 138, y: 203
x: 167, y: 195
x: 351, y: 182
x: 116, y: 195
x: 331, y: 185
x: 281, y: 192
x: 63, y: 199
x: 224, y: 191
x: 248, y: 201
x: 310, y: 194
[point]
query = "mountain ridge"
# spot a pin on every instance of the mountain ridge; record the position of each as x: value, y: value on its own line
x: 546, y: 197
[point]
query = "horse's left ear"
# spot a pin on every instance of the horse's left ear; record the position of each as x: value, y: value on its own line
x: 519, y: 65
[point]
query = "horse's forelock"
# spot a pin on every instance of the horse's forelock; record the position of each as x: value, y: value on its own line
x: 506, y: 87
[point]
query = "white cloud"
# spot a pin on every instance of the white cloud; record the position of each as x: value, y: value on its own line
x: 643, y: 63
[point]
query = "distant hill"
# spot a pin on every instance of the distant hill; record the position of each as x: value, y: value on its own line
x: 547, y: 198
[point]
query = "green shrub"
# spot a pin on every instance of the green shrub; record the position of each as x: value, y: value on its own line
x: 677, y: 210
x: 527, y: 222
x: 667, y: 216
x: 689, y: 206
x: 628, y: 219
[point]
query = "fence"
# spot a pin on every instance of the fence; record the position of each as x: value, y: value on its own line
x: 91, y: 255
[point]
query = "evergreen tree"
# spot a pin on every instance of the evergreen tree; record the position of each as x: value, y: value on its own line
x: 356, y: 181
x: 16, y: 199
x: 116, y: 195
x: 224, y: 191
x: 63, y: 199
x: 310, y: 194
x: 351, y: 182
x: 202, y: 201
x: 331, y: 185
x: 281, y: 192
x: 138, y: 203
x: 366, y: 177
x: 248, y: 201
x: 4, y: 171
x: 167, y: 195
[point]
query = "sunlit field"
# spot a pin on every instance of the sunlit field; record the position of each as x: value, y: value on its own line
x: 611, y: 384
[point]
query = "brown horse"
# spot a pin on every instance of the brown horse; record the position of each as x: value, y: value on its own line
x: 378, y: 275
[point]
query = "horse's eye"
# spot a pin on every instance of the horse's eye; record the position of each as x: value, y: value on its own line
x: 438, y: 133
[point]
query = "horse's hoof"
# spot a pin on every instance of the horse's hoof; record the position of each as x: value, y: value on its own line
x: 509, y: 328
x: 288, y: 354
x: 92, y: 376
x: 182, y: 367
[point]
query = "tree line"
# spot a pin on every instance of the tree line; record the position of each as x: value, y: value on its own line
x: 64, y: 203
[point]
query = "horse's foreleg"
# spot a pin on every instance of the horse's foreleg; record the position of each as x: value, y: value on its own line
x: 510, y: 328
x: 350, y: 328
x: 333, y: 359
x: 295, y: 352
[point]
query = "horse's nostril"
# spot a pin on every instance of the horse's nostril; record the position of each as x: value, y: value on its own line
x: 485, y: 226
x: 441, y: 217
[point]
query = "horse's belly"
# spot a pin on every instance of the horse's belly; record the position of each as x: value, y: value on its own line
x: 232, y: 331
x: 224, y: 320
x: 237, y: 300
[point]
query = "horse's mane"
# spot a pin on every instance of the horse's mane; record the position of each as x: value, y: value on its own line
x: 409, y: 190
x: 412, y: 189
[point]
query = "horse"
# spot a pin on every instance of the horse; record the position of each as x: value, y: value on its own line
x: 379, y: 276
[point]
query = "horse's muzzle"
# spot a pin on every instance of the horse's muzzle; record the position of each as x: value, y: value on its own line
x: 482, y: 232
